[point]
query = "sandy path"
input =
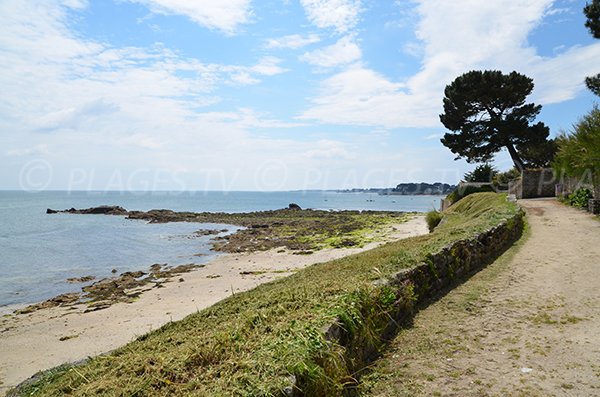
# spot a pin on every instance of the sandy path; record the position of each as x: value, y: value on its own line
x: 527, y: 325
x: 32, y: 342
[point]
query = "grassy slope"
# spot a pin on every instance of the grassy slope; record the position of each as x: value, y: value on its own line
x: 251, y: 343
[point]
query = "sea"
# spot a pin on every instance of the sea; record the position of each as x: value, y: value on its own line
x: 39, y: 252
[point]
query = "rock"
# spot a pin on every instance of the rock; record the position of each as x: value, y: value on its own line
x: 207, y: 232
x: 105, y: 209
x: 294, y: 206
x: 101, y: 210
x: 80, y: 279
x: 65, y: 299
x: 60, y: 300
x: 156, y: 267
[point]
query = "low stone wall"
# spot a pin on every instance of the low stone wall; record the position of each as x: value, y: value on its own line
x: 459, y: 259
x: 441, y: 270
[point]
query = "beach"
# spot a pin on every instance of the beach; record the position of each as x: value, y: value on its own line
x: 50, y: 337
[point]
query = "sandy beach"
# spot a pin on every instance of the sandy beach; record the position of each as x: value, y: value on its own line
x: 47, y: 338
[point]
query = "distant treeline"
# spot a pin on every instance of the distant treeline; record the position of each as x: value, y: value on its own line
x: 408, y: 189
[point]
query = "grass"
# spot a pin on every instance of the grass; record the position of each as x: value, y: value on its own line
x: 255, y: 343
x: 433, y: 218
x: 437, y: 336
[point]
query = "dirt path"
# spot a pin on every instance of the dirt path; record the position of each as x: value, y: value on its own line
x: 527, y: 325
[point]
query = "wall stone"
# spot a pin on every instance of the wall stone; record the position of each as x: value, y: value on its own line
x: 414, y: 285
x: 594, y: 206
x: 461, y: 258
x: 537, y: 183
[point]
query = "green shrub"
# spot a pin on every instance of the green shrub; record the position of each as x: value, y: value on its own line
x: 433, y: 219
x: 579, y: 150
x: 580, y: 198
x: 502, y: 179
x: 482, y: 173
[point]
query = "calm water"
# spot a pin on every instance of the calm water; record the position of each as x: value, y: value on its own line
x: 39, y: 251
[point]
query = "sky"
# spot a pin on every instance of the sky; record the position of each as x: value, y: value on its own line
x: 264, y: 95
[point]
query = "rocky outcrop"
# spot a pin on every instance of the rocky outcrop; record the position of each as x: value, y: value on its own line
x: 264, y: 230
x: 101, y: 210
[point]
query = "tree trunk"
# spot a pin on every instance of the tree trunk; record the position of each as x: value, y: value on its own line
x: 515, y: 157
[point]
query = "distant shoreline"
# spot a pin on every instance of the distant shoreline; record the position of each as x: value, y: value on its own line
x: 407, y: 189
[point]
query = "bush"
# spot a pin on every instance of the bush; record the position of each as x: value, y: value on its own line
x: 459, y: 193
x: 579, y: 151
x: 502, y: 179
x: 580, y: 198
x: 433, y: 219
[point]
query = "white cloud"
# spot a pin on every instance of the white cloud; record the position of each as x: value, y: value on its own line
x: 433, y: 136
x: 247, y: 75
x: 560, y: 78
x: 140, y: 140
x: 361, y: 96
x: 341, y: 15
x: 75, y: 117
x: 77, y: 102
x: 29, y: 151
x: 223, y: 15
x: 344, y: 51
x: 75, y: 4
x: 456, y: 37
x: 329, y: 150
x: 413, y: 49
x: 243, y: 78
x: 293, y: 41
x: 268, y: 66
x: 74, y: 83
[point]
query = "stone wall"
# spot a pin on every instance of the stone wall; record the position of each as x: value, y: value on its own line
x: 535, y: 183
x: 459, y: 259
x: 413, y: 286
